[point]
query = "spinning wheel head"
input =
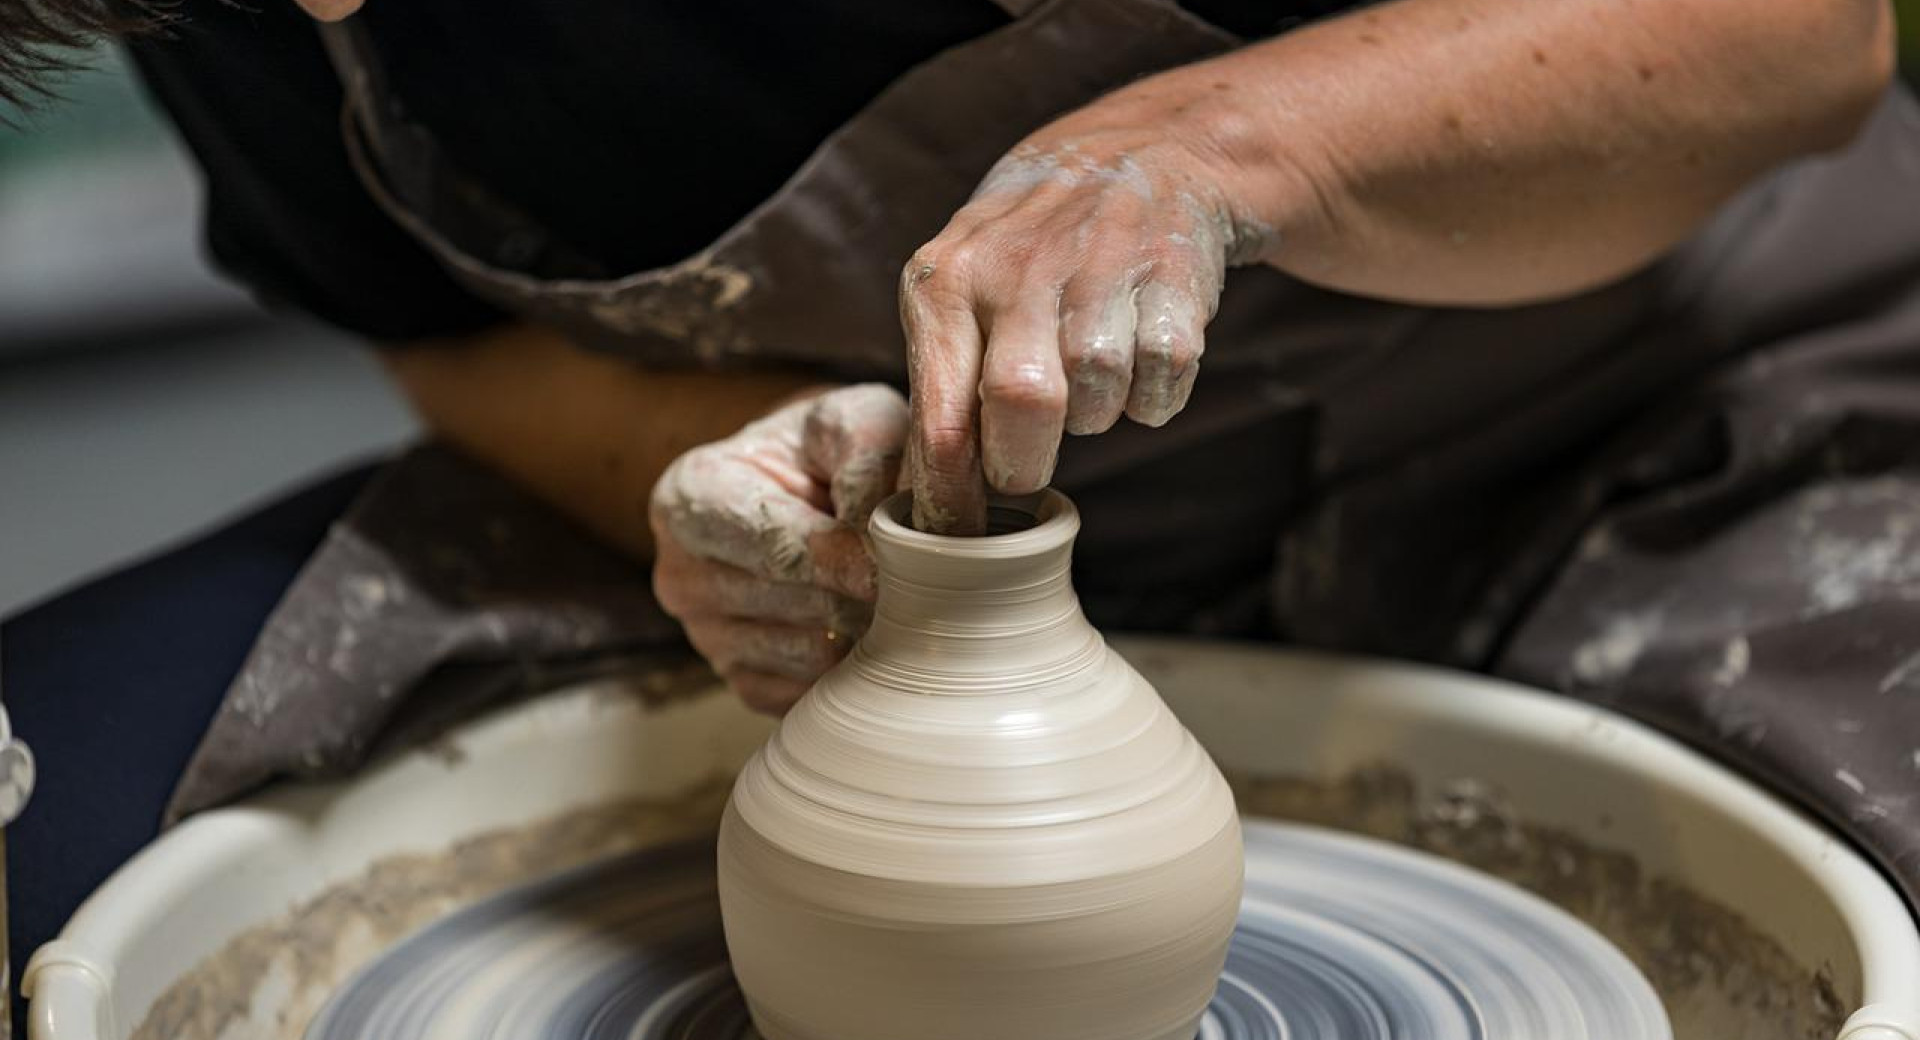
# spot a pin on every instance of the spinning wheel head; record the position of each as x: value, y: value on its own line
x: 1340, y: 938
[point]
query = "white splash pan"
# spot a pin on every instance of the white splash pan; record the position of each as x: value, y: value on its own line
x: 1259, y: 710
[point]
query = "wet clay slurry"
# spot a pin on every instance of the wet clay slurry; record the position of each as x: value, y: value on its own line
x: 1339, y: 938
x: 984, y: 822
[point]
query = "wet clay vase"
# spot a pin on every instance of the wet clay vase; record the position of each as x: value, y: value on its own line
x: 983, y: 824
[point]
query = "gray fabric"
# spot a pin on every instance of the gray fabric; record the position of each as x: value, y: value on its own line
x: 1752, y: 582
x: 441, y: 570
x: 1527, y: 408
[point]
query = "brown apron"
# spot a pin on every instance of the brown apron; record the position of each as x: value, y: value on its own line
x: 1612, y: 495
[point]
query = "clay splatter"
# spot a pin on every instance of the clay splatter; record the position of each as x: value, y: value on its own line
x: 1905, y: 676
x: 1733, y: 662
x: 1612, y: 653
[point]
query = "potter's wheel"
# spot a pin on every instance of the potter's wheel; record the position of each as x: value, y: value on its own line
x: 1340, y: 938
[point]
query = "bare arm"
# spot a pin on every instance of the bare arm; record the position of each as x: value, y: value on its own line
x: 587, y: 433
x: 1494, y: 151
x: 1447, y: 151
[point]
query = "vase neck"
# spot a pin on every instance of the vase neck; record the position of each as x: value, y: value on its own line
x: 983, y: 614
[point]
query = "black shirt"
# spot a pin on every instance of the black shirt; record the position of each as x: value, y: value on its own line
x: 638, y: 130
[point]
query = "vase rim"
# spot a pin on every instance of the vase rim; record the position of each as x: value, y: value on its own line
x: 1044, y: 521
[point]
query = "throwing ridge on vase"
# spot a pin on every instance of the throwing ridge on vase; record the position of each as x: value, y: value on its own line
x: 983, y: 823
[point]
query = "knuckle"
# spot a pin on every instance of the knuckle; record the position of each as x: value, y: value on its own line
x: 1188, y: 350
x: 1096, y: 357
x: 1024, y: 389
x: 946, y: 450
x: 862, y: 413
x: 921, y: 266
x: 966, y: 255
x: 826, y: 422
x: 665, y: 492
x: 680, y: 483
x: 1164, y: 343
x: 936, y: 269
x: 959, y: 266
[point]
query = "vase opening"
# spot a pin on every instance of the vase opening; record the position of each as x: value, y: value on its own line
x: 1031, y: 542
x: 1048, y: 514
x: 1013, y: 514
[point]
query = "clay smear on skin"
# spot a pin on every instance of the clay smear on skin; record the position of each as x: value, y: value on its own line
x: 1130, y: 346
x: 1121, y: 357
x: 751, y: 500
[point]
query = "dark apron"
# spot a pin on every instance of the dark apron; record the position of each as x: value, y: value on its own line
x: 1609, y: 495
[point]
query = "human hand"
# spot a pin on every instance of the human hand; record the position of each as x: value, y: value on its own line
x: 1073, y: 287
x: 760, y: 549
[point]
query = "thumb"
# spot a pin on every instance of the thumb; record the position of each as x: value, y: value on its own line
x: 723, y: 505
x: 853, y: 441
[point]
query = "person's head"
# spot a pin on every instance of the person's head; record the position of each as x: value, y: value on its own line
x: 37, y: 35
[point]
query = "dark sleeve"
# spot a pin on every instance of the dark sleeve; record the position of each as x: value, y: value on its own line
x: 250, y: 90
x: 1259, y: 19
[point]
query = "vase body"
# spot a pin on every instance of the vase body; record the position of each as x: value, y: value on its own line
x: 983, y: 823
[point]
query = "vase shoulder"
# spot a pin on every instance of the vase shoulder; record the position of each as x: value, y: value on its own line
x: 983, y: 809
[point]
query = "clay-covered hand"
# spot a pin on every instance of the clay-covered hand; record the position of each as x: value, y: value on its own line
x: 1073, y: 288
x: 760, y: 538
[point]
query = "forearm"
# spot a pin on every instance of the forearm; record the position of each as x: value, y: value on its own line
x: 589, y: 434
x: 1497, y: 151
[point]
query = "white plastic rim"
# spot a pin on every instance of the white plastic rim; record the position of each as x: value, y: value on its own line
x: 223, y: 871
x: 1602, y: 777
x: 1259, y: 710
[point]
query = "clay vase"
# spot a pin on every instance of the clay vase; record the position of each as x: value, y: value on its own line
x: 983, y: 824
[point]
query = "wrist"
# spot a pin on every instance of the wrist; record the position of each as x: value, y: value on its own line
x: 1251, y: 160
x: 1282, y: 187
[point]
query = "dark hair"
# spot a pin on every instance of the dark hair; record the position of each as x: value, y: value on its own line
x: 38, y: 39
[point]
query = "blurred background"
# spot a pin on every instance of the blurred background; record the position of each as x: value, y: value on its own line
x: 141, y: 398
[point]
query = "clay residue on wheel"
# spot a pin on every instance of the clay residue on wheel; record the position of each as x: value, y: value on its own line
x: 269, y: 981
x: 1718, y: 976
